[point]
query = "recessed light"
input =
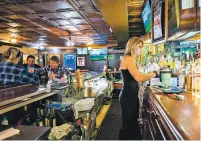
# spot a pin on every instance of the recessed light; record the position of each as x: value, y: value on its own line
x: 13, y: 40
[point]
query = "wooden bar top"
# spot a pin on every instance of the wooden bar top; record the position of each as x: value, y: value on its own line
x: 184, y: 115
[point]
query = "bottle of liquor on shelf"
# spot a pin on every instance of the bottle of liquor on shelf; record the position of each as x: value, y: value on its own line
x: 47, y: 118
x: 39, y: 120
x: 4, y: 120
x: 52, y: 118
x: 27, y: 117
x: 198, y: 78
x: 83, y: 132
x: 43, y: 116
x: 193, y: 78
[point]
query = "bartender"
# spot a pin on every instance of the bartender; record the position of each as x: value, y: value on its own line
x: 30, y: 63
x: 54, y: 70
x: 13, y: 74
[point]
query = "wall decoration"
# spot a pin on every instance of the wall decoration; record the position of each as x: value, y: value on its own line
x: 81, y: 61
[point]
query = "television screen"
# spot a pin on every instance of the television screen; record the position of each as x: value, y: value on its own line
x: 97, y: 54
x: 82, y: 51
x: 70, y: 61
x: 146, y: 17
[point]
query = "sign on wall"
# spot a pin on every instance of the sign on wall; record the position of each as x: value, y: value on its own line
x: 81, y: 61
x: 70, y: 61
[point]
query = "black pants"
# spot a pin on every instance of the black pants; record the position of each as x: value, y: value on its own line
x: 130, y: 113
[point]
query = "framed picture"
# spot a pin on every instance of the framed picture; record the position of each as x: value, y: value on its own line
x: 80, y: 61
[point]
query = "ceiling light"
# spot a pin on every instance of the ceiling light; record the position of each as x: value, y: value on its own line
x: 13, y: 34
x: 90, y: 43
x: 13, y: 40
x: 68, y: 43
x: 188, y: 35
x: 72, y: 44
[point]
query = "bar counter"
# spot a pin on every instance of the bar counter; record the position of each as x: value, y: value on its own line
x: 15, y: 97
x: 180, y: 119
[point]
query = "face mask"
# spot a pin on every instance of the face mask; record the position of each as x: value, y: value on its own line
x: 138, y: 52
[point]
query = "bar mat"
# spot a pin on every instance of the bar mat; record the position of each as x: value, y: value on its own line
x: 115, y: 107
x: 110, y: 127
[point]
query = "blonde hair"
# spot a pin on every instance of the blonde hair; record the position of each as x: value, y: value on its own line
x: 131, y: 44
x: 11, y: 54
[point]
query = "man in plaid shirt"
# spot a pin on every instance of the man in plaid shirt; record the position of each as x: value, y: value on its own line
x: 55, y: 70
x: 13, y: 74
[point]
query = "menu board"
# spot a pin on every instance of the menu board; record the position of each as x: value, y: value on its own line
x: 157, y: 24
x: 158, y: 21
x: 70, y: 61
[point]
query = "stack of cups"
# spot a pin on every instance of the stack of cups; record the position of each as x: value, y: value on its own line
x: 181, y: 81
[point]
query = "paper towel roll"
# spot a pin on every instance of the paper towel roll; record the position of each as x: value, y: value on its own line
x: 77, y: 77
x: 88, y: 92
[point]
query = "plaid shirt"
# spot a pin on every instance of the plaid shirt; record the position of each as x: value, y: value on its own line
x: 12, y: 74
x: 60, y: 71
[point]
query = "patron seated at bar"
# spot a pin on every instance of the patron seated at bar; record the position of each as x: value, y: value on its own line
x: 13, y: 74
x: 54, y: 70
x: 30, y: 63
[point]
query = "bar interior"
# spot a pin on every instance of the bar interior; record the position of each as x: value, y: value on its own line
x: 61, y: 73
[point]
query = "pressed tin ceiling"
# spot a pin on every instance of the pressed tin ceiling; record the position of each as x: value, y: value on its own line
x: 53, y: 23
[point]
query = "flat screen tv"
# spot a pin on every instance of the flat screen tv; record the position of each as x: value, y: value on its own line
x: 146, y: 17
x: 70, y: 61
x: 158, y: 22
x: 81, y: 51
x: 97, y: 54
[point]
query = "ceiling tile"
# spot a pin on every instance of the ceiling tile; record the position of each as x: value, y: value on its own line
x: 55, y: 5
x: 85, y: 26
x: 14, y: 24
x: 79, y: 21
x: 96, y: 20
x: 61, y: 22
x: 51, y: 15
x: 70, y: 14
x: 14, y: 8
x: 31, y: 16
x: 36, y: 7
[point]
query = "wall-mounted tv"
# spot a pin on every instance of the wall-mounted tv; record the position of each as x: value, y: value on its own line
x: 97, y: 54
x: 158, y: 21
x: 70, y: 61
x: 146, y: 17
x: 82, y: 51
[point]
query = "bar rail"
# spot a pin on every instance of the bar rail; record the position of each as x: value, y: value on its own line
x: 176, y: 120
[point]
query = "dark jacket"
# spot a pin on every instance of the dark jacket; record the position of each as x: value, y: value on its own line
x: 35, y: 66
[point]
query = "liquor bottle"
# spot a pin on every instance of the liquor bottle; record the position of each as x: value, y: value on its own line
x: 39, y: 120
x: 47, y: 118
x: 27, y: 117
x: 43, y: 116
x: 4, y: 121
x: 198, y: 78
x: 83, y: 131
x: 52, y: 118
